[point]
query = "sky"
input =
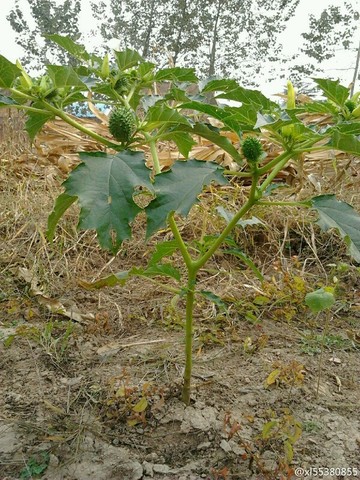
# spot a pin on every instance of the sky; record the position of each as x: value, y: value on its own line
x: 341, y: 67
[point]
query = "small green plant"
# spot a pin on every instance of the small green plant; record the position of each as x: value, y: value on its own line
x: 318, y: 301
x: 111, y: 185
x: 35, y: 466
x: 55, y: 340
x: 278, y: 437
x: 311, y: 343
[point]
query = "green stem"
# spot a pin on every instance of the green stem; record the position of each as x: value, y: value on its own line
x: 244, y: 209
x: 78, y: 126
x: 238, y: 174
x: 279, y: 166
x: 275, y: 162
x: 23, y: 95
x: 154, y: 153
x: 182, y: 247
x: 190, y: 296
x: 287, y: 204
x: 28, y: 108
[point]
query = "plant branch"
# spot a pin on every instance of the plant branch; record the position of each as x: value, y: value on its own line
x: 78, y: 126
x: 182, y: 247
x: 154, y: 153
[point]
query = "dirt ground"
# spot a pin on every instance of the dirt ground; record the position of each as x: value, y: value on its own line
x: 91, y: 379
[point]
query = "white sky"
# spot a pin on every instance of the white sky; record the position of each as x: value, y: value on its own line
x: 340, y: 67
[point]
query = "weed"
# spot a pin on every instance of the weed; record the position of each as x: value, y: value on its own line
x: 35, y: 466
x: 278, y: 437
x: 311, y: 343
x: 290, y: 374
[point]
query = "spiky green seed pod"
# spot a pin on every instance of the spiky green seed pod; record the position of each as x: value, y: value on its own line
x: 121, y: 124
x: 350, y: 105
x: 252, y: 149
x: 121, y: 84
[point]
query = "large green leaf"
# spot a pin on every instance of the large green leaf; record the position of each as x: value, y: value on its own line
x: 64, y: 76
x: 177, y: 190
x: 220, y: 113
x: 161, y: 115
x: 333, y: 90
x: 320, y: 107
x: 8, y: 72
x: 183, y: 140
x: 246, y: 96
x: 105, y: 185
x: 35, y: 121
x: 346, y: 143
x: 342, y: 217
x: 63, y: 202
x: 128, y: 58
x: 176, y: 74
x: 215, y: 137
x: 75, y: 49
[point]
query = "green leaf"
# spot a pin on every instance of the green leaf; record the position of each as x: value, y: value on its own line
x: 245, y: 116
x: 8, y: 72
x: 35, y: 121
x: 176, y: 74
x: 268, y: 427
x: 219, y: 140
x: 183, y: 141
x: 349, y: 128
x: 6, y: 101
x: 220, y: 113
x: 128, y: 58
x: 162, y: 269
x: 217, y: 85
x: 64, y: 76
x: 342, y: 217
x: 75, y: 49
x: 105, y: 186
x: 63, y: 202
x: 333, y: 90
x: 141, y: 405
x: 320, y: 107
x: 289, y: 451
x: 272, y: 122
x: 177, y: 190
x: 228, y: 216
x: 346, y: 143
x: 239, y: 254
x: 160, y: 115
x: 163, y: 249
x: 319, y: 300
x: 120, y: 278
x: 214, y: 299
x: 247, y: 97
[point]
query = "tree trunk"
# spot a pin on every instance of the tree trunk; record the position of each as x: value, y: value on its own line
x: 355, y: 71
x: 149, y: 30
x: 214, y: 42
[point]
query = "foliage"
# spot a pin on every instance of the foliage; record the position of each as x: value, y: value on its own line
x: 35, y: 466
x: 113, y: 187
x: 49, y: 18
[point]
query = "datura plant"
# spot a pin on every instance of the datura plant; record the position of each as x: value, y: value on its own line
x: 107, y: 183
